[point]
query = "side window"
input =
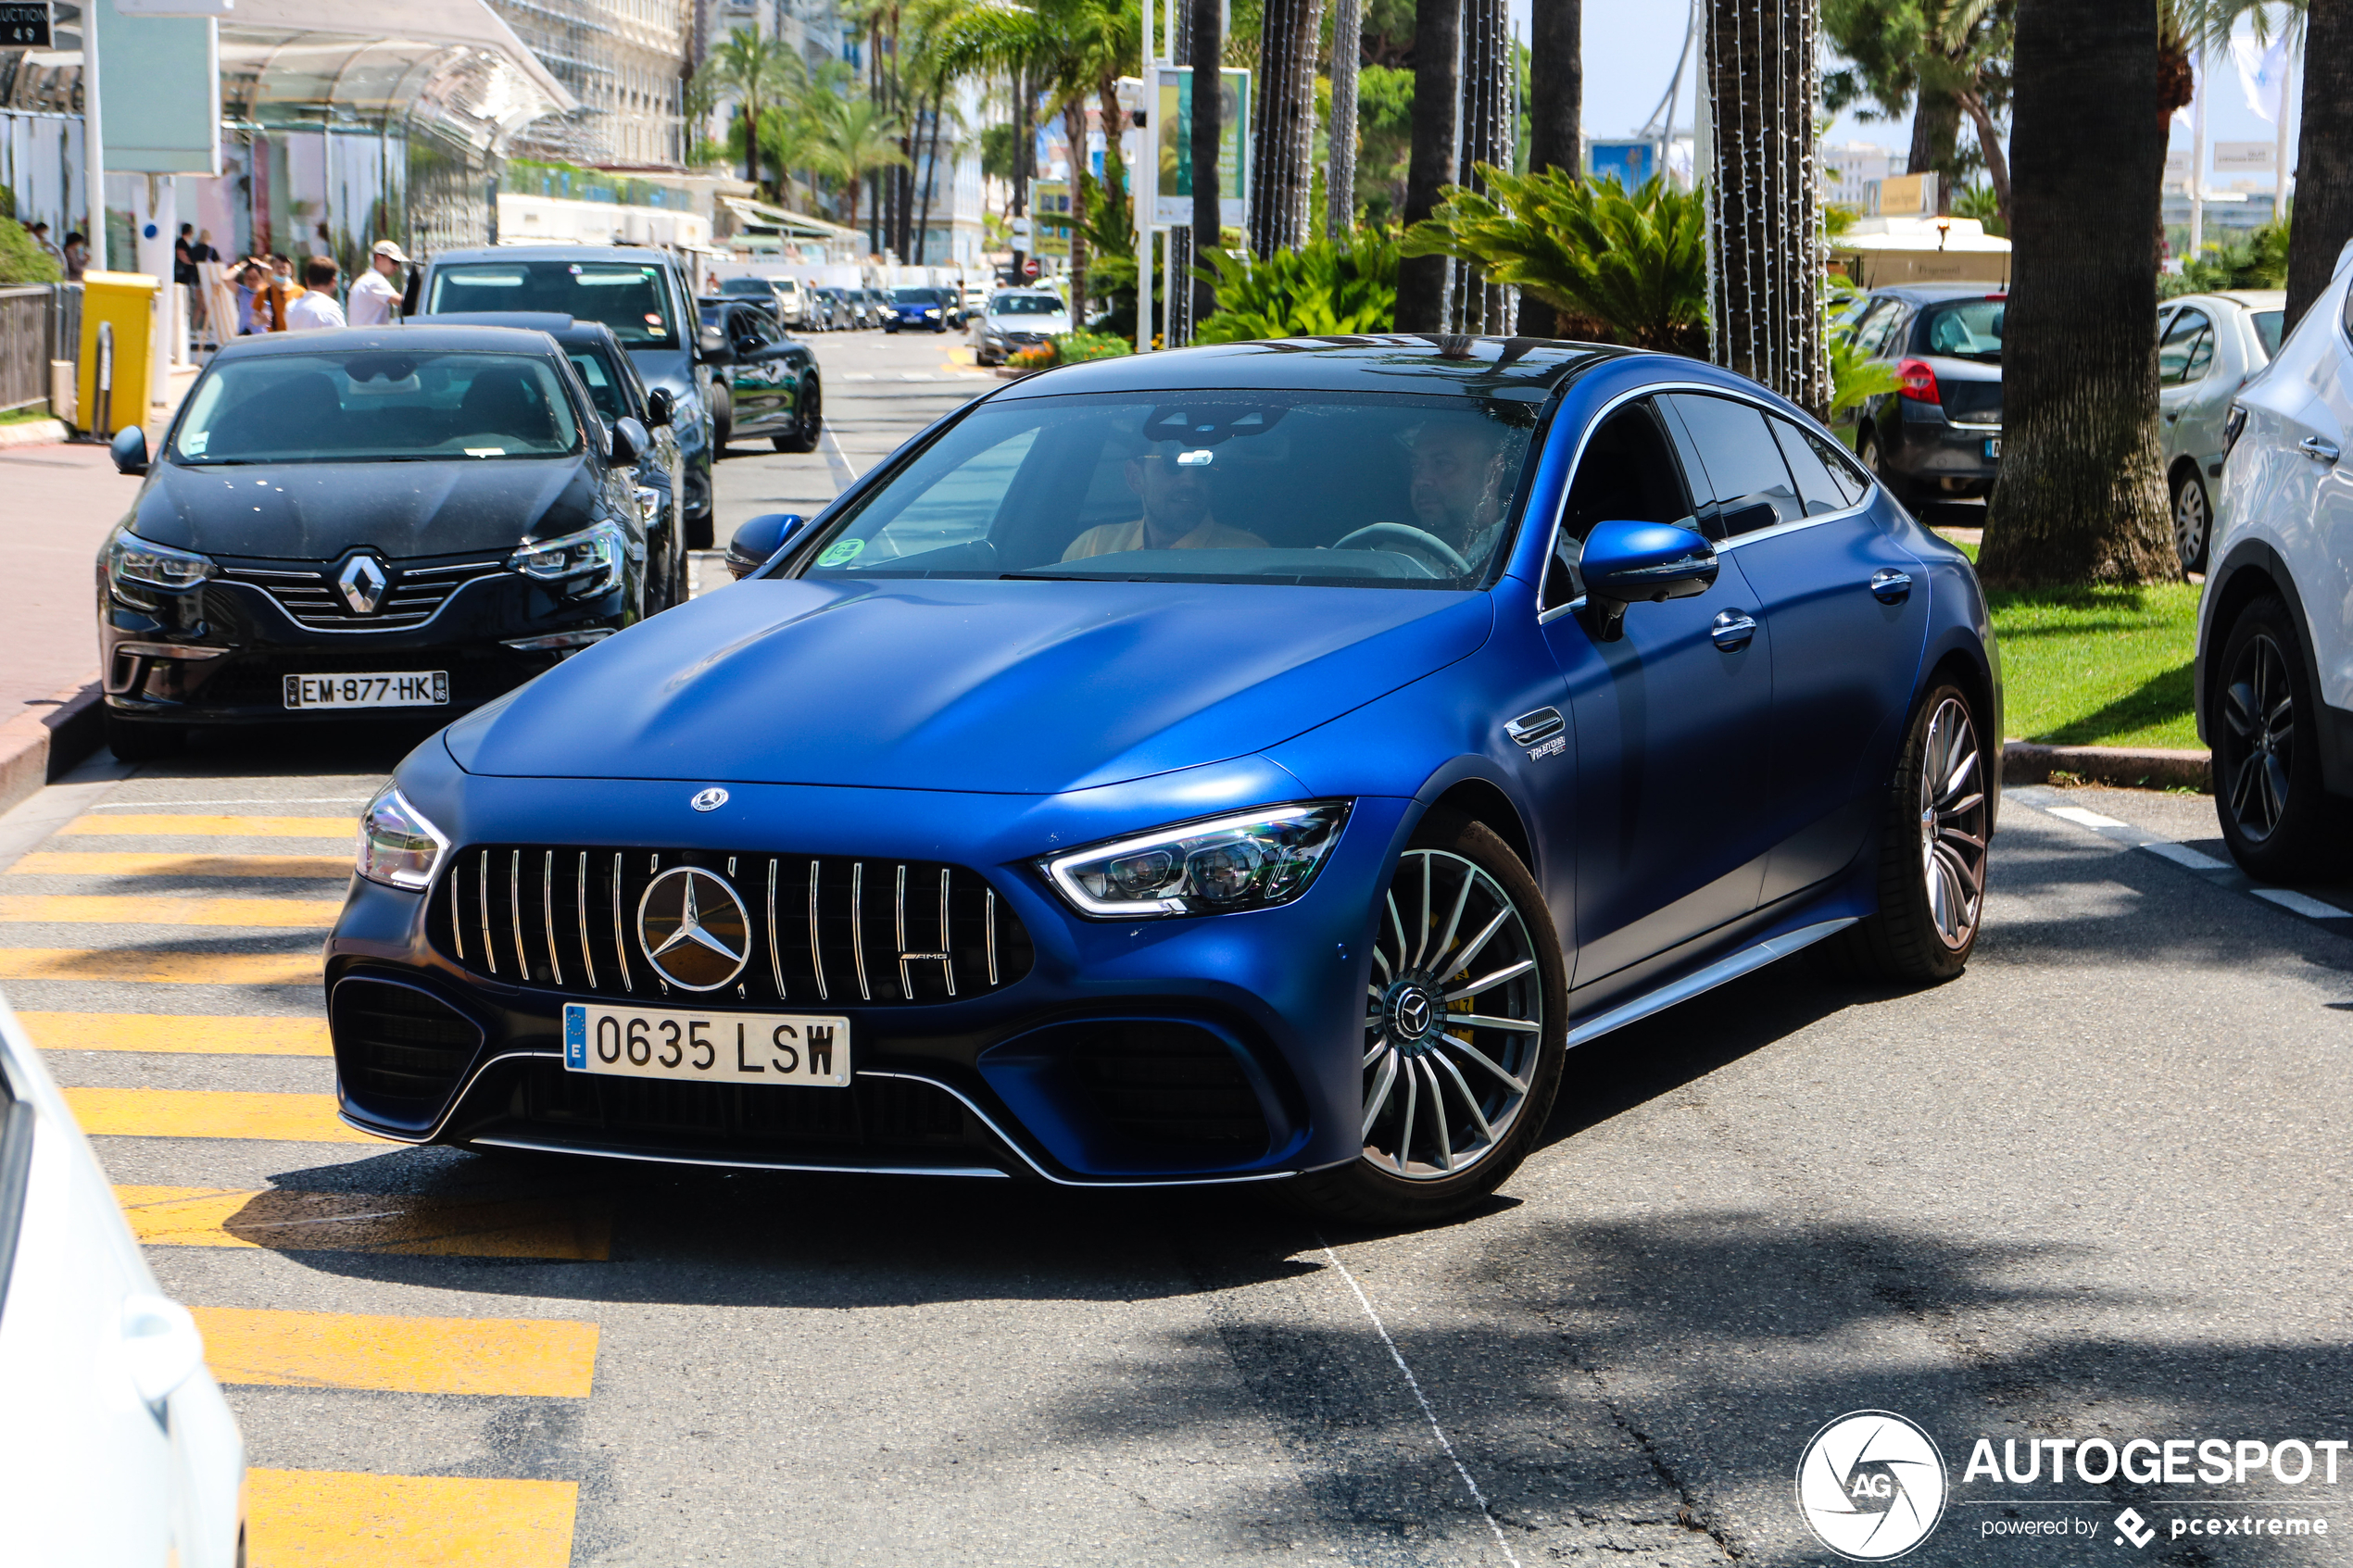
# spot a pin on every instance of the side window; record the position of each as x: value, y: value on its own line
x: 1627, y: 474
x: 1827, y: 481
x: 2186, y: 349
x: 1751, y: 482
x: 1872, y: 332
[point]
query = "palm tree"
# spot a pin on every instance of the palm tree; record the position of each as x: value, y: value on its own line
x: 1421, y: 281
x: 1339, y: 176
x: 1282, y: 163
x: 760, y: 72
x: 1555, y: 109
x: 1206, y: 48
x: 851, y: 137
x: 2081, y: 496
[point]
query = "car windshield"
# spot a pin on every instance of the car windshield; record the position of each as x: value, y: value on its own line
x: 1969, y: 329
x: 602, y: 380
x: 2267, y: 327
x: 1025, y: 304
x: 376, y: 406
x: 755, y: 286
x: 1362, y: 489
x: 627, y: 296
x: 918, y: 297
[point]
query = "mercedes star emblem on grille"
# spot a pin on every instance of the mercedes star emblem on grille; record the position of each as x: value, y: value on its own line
x: 362, y: 581
x: 710, y: 799
x: 695, y: 931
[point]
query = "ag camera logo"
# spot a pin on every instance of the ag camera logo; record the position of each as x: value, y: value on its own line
x: 1871, y: 1486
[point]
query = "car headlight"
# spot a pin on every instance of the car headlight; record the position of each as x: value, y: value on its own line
x: 134, y: 564
x: 935, y: 312
x: 397, y: 846
x: 588, y: 563
x: 1249, y: 862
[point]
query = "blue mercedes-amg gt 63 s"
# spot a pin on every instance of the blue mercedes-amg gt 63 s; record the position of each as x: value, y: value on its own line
x: 1252, y: 763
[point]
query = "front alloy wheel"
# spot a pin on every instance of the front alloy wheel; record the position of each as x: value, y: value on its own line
x: 1464, y: 1029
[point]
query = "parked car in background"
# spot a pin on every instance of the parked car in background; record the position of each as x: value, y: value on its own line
x: 773, y: 386
x: 642, y: 294
x: 118, y: 1450
x: 839, y: 313
x: 2274, y: 675
x: 1938, y: 436
x: 367, y: 523
x: 920, y: 309
x: 2208, y: 345
x: 614, y: 389
x: 1017, y: 319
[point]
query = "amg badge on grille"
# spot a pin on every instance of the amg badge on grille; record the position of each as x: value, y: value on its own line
x: 695, y: 931
x: 710, y: 799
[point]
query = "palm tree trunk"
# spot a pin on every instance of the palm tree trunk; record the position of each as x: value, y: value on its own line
x: 752, y: 144
x: 1075, y: 130
x: 1421, y: 279
x: 931, y: 176
x: 1339, y: 177
x: 2081, y: 497
x: 1490, y: 122
x: 1989, y: 142
x: 1209, y: 99
x: 2324, y: 155
x: 1282, y: 165
x: 1555, y: 109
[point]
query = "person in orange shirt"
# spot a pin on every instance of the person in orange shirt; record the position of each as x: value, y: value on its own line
x: 1174, y: 486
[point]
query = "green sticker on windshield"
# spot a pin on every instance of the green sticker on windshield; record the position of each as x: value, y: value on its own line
x: 841, y: 552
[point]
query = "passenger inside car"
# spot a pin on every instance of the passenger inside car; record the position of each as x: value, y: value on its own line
x: 1173, y: 484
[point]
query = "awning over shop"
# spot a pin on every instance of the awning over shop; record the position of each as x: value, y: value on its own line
x: 1883, y: 251
x: 760, y: 215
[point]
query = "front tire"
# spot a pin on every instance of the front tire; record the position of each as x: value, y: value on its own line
x: 1468, y: 1025
x: 2266, y: 765
x: 1934, y: 824
x: 2193, y: 520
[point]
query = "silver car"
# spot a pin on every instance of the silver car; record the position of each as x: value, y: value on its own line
x: 2208, y: 345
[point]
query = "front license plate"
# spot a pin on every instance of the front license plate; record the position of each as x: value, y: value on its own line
x: 427, y: 688
x: 711, y: 1047
x: 1993, y: 446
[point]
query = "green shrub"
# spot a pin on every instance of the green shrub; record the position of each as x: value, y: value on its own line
x: 1320, y: 290
x: 21, y: 259
x: 1076, y: 348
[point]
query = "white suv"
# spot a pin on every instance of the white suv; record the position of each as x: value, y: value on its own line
x: 2275, y: 623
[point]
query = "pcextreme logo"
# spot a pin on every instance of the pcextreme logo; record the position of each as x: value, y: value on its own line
x: 1871, y: 1486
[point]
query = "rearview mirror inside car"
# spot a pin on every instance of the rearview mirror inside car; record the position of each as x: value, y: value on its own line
x: 129, y: 450
x: 759, y: 539
x: 1627, y: 563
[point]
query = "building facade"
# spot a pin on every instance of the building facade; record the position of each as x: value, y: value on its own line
x: 626, y: 62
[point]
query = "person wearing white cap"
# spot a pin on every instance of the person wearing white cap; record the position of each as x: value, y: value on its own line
x: 375, y: 297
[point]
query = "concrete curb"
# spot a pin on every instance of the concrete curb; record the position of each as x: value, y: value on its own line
x: 2129, y: 768
x: 35, y: 433
x: 40, y: 745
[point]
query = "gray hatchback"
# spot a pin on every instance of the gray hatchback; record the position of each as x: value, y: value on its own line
x: 1938, y: 436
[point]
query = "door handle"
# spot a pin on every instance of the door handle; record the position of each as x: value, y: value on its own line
x: 1890, y: 586
x: 1733, y: 629
x: 2171, y: 415
x: 2317, y: 449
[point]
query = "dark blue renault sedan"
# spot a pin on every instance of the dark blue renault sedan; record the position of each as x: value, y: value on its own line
x: 1262, y: 763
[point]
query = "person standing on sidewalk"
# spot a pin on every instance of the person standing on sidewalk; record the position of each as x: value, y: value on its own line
x: 77, y: 256
x: 315, y: 308
x: 375, y: 297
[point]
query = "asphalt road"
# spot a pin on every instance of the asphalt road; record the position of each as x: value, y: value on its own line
x: 2097, y: 1187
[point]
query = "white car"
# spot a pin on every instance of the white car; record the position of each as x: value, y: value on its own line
x: 117, y: 1448
x: 2207, y: 347
x: 1015, y: 319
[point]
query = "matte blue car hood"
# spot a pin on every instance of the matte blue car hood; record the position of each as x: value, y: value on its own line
x: 1024, y: 688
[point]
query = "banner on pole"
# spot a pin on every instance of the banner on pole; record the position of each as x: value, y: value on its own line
x: 1171, y: 131
x: 1049, y: 217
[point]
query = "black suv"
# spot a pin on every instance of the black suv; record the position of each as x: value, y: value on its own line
x: 1938, y: 436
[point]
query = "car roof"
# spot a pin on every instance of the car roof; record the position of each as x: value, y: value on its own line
x: 2246, y: 300
x: 1471, y: 367
x: 566, y: 329
x: 554, y: 253
x: 442, y: 334
x: 1927, y: 294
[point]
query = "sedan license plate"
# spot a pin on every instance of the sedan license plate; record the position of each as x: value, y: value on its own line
x: 1993, y: 446
x: 427, y: 688
x: 712, y: 1047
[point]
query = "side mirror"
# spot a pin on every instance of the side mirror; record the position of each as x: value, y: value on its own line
x: 629, y: 441
x: 711, y: 347
x: 759, y: 539
x: 161, y: 1346
x: 129, y: 450
x: 661, y: 406
x: 1636, y: 562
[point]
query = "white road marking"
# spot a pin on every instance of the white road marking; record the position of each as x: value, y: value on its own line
x: 2183, y: 855
x: 2301, y: 903
x: 2081, y: 818
x: 1421, y: 1399
x: 145, y: 804
x: 839, y: 456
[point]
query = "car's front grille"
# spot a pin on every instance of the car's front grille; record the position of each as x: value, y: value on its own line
x: 873, y: 1112
x: 1970, y: 402
x: 798, y: 929
x: 416, y: 591
x: 399, y: 1049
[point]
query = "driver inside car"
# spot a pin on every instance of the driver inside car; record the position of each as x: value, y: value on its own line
x: 1458, y: 485
x: 1173, y: 484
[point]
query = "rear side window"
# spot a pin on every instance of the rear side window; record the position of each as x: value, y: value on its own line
x: 1745, y: 470
x: 2185, y: 351
x: 1826, y: 479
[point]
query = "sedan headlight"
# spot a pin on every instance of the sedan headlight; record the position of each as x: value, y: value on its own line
x: 136, y: 567
x: 1249, y: 862
x: 931, y: 312
x: 587, y: 562
x: 397, y: 847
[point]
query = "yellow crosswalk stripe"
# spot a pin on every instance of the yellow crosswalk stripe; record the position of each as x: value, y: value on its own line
x: 168, y: 825
x: 142, y: 862
x: 210, y: 1113
x: 344, y: 1221
x: 143, y: 965
x: 191, y: 1034
x: 543, y: 1358
x: 333, y: 1519
x: 117, y: 910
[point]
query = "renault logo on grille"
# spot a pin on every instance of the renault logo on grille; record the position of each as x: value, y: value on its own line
x: 362, y: 581
x: 695, y: 931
